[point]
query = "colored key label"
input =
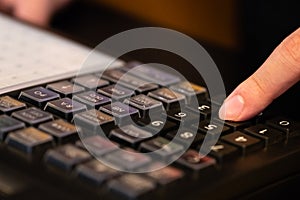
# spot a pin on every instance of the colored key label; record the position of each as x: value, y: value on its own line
x: 8, y: 104
x: 32, y: 116
x: 61, y: 130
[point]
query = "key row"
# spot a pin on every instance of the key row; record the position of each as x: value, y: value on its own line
x: 39, y: 96
x: 94, y: 172
x: 275, y: 130
x: 140, y: 106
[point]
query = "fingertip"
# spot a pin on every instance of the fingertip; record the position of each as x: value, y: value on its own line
x: 232, y: 108
x: 277, y: 74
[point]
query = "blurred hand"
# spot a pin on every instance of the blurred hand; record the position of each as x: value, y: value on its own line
x: 38, y: 12
x: 278, y: 73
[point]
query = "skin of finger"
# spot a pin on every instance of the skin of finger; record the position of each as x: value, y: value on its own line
x: 7, y: 4
x: 277, y: 74
x: 35, y: 11
x: 38, y: 12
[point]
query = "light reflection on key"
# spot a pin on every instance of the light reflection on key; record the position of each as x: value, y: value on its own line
x: 169, y: 98
x: 29, y: 139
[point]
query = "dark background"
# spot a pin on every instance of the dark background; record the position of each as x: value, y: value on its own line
x: 263, y: 25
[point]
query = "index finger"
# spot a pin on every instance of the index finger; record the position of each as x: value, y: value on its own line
x: 277, y: 74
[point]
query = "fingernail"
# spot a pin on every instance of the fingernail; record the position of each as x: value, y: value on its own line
x: 232, y: 108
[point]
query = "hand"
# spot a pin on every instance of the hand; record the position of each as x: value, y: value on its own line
x: 277, y: 74
x: 38, y: 12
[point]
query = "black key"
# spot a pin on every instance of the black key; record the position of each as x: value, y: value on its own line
x: 29, y: 140
x: 158, y: 126
x: 95, y: 172
x: 169, y: 98
x: 190, y: 90
x: 32, y: 116
x: 123, y: 113
x: 92, y: 99
x: 166, y: 175
x: 98, y: 146
x: 259, y: 119
x: 65, y: 88
x: 162, y: 147
x: 290, y: 127
x: 195, y: 161
x: 129, y: 81
x: 126, y: 159
x: 203, y: 107
x: 235, y: 126
x: 95, y: 121
x: 145, y: 105
x: 66, y: 157
x: 213, y: 129
x: 90, y: 81
x: 38, y: 96
x: 9, y: 105
x: 65, y: 108
x: 243, y: 141
x: 116, y: 92
x: 8, y: 124
x: 61, y: 130
x: 184, y: 116
x: 186, y: 137
x: 151, y: 73
x: 130, y: 135
x: 132, y: 185
x: 268, y: 134
x: 222, y: 151
x: 238, y: 125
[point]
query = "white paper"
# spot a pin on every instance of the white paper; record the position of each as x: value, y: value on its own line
x: 30, y: 56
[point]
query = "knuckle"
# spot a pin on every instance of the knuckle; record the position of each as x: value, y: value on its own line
x: 258, y: 85
x: 254, y: 87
